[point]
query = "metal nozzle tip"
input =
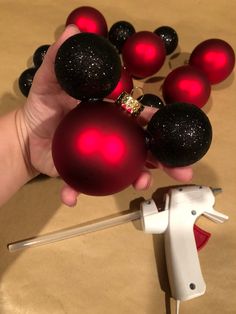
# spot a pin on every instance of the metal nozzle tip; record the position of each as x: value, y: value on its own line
x: 217, y: 190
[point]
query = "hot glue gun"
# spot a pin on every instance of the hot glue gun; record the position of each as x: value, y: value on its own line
x: 183, y: 206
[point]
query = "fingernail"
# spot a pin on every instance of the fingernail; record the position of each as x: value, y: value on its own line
x: 149, y: 183
x: 73, y: 26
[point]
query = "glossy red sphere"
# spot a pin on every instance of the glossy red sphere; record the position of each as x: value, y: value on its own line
x: 98, y: 149
x: 215, y: 58
x: 143, y: 54
x: 125, y: 84
x: 186, y: 84
x: 88, y: 20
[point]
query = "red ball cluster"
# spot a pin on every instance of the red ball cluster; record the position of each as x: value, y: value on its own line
x: 97, y: 148
x: 143, y: 54
x: 211, y: 62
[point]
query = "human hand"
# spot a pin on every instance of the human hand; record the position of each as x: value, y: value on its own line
x: 45, y: 107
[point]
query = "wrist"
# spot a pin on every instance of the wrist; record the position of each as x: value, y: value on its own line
x: 23, y: 137
x: 15, y: 165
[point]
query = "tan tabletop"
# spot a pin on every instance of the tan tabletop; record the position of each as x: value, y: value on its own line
x: 118, y: 270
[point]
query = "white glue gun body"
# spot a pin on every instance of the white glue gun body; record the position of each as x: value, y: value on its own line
x: 183, y: 206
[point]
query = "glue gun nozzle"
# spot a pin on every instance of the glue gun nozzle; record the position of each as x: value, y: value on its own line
x: 217, y: 190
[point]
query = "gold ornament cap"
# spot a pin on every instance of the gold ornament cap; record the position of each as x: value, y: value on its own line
x: 128, y: 103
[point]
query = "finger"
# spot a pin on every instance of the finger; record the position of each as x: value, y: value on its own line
x: 51, y: 53
x: 69, y: 195
x: 183, y: 174
x: 151, y: 161
x: 46, y: 70
x: 144, y: 181
x: 146, y: 115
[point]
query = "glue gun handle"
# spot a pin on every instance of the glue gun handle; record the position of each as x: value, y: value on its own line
x: 184, y: 271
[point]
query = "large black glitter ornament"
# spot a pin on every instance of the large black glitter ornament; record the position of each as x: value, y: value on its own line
x: 119, y: 33
x: 181, y: 134
x: 39, y: 55
x: 87, y: 66
x: 25, y: 80
x: 169, y: 37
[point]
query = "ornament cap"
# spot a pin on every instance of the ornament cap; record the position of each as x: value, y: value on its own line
x: 131, y: 105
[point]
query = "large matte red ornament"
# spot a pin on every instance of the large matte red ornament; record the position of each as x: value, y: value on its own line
x: 215, y: 58
x: 186, y: 84
x: 98, y: 149
x: 88, y: 20
x: 143, y: 54
x: 125, y: 84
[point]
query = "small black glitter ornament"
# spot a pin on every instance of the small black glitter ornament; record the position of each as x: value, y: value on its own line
x: 25, y: 80
x: 169, y: 37
x: 181, y: 134
x: 119, y: 33
x: 151, y: 100
x: 39, y: 55
x: 87, y: 66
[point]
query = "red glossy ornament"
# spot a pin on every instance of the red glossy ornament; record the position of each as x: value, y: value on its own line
x: 186, y: 84
x: 215, y: 58
x: 98, y: 149
x: 125, y: 84
x: 143, y: 54
x: 88, y: 20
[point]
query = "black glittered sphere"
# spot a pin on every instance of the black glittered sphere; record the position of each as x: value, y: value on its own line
x: 181, y: 134
x: 39, y: 55
x: 87, y: 66
x: 151, y: 100
x: 119, y: 33
x: 25, y: 80
x: 169, y: 37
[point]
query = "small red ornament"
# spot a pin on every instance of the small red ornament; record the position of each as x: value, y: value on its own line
x: 88, y: 20
x: 215, y: 58
x: 125, y: 84
x: 143, y: 54
x: 186, y: 84
x: 98, y: 149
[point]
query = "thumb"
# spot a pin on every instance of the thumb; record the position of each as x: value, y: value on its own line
x: 46, y: 72
x: 52, y: 51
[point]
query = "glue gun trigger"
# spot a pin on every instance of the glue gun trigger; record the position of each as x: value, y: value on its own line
x: 201, y: 237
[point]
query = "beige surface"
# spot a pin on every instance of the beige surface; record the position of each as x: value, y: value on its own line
x: 114, y: 271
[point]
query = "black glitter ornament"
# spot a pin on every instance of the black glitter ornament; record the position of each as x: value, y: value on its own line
x: 25, y: 80
x: 39, y: 55
x: 119, y: 33
x: 181, y: 134
x: 151, y: 100
x: 87, y: 66
x: 169, y: 37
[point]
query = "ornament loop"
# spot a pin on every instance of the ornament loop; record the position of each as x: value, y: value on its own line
x: 129, y: 104
x: 137, y: 88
